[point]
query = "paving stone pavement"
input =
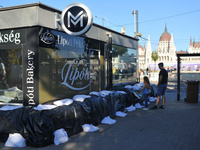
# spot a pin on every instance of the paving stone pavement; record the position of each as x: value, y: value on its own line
x: 177, y: 127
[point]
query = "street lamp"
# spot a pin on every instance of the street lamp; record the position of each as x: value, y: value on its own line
x: 102, y: 17
x: 135, y: 12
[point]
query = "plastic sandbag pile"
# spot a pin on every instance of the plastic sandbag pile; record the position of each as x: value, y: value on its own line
x: 134, y: 91
x: 56, y: 122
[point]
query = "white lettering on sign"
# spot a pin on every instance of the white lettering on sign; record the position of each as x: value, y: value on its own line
x: 76, y: 43
x: 79, y: 71
x: 30, y: 77
x: 10, y: 37
x: 65, y: 41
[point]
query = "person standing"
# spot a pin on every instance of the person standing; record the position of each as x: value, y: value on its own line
x: 147, y: 70
x: 3, y: 74
x: 146, y: 91
x: 162, y: 85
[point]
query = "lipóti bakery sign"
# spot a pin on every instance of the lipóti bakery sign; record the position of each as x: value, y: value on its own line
x: 76, y: 19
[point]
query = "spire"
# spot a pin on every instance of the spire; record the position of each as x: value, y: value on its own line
x: 172, y: 40
x: 165, y: 28
x: 148, y: 49
x: 190, y: 41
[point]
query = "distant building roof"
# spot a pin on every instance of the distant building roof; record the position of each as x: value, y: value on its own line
x: 196, y: 44
x: 181, y: 52
x: 165, y: 36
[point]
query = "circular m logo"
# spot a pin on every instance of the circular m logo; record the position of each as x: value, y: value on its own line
x: 76, y: 19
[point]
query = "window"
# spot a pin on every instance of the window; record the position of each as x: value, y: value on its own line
x: 125, y: 69
x: 12, y: 60
x: 68, y: 67
x: 64, y: 70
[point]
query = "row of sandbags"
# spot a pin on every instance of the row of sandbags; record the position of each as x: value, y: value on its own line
x: 38, y: 124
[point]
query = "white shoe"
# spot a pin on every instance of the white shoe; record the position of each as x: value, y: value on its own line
x: 145, y: 108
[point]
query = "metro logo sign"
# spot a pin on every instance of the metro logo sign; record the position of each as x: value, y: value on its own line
x: 76, y: 19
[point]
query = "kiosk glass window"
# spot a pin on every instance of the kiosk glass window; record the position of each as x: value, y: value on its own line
x: 124, y: 64
x: 68, y: 66
x: 11, y: 84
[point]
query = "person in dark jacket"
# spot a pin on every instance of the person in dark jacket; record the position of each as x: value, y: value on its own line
x: 162, y: 85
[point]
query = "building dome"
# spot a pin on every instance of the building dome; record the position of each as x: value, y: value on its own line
x: 165, y: 36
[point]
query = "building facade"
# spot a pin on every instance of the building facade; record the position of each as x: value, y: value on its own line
x: 191, y: 63
x: 166, y: 52
x: 166, y: 49
x: 142, y: 56
x: 194, y: 47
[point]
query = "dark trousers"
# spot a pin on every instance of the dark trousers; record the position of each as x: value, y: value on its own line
x: 145, y: 98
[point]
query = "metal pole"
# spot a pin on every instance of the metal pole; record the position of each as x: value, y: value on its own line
x: 109, y: 63
x: 137, y: 21
x: 134, y: 13
x: 178, y: 79
x: 138, y: 76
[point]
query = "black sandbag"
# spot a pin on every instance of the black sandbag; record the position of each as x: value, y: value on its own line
x: 99, y: 108
x: 121, y: 102
x: 11, y: 122
x: 132, y: 99
x: 41, y: 124
x: 84, y: 112
x: 20, y: 121
x: 153, y: 90
x: 118, y: 87
x: 128, y: 83
x: 111, y: 100
x: 39, y: 128
x: 71, y: 117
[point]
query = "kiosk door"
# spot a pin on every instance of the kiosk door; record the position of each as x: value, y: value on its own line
x: 95, y: 71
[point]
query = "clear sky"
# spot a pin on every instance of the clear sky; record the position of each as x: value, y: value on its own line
x: 180, y: 16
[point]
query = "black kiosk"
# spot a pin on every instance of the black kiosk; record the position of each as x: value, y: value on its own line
x: 46, y: 58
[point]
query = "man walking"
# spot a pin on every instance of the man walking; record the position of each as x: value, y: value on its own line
x: 162, y: 85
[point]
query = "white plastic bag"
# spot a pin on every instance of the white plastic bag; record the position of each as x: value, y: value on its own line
x: 63, y: 102
x: 108, y: 120
x: 15, y: 140
x: 130, y: 108
x: 89, y: 128
x: 120, y: 114
x: 45, y: 107
x: 60, y: 136
x: 80, y: 98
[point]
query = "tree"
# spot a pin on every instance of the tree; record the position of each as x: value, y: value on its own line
x: 154, y: 56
